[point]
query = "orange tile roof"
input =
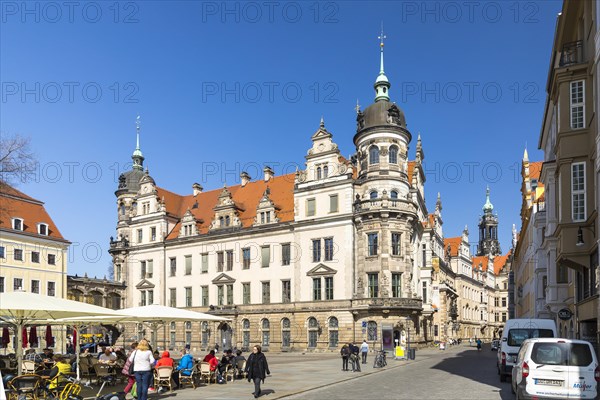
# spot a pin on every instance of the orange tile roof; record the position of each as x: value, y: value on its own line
x: 411, y: 168
x: 535, y: 169
x: 246, y: 199
x: 16, y: 204
x: 454, y: 244
x: 500, y: 262
x: 476, y: 261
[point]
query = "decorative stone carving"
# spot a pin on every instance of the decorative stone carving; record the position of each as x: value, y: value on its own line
x: 383, y: 151
x: 360, y: 121
x: 394, y: 115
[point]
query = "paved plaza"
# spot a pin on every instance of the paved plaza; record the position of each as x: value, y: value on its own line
x: 457, y: 373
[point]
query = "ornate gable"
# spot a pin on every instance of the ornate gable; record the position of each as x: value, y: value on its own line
x: 321, y: 270
x: 223, y: 279
x: 323, y: 158
x: 226, y: 212
x: 266, y: 211
x: 188, y: 225
x: 144, y: 284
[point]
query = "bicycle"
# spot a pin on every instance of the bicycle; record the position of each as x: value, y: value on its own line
x: 380, y: 360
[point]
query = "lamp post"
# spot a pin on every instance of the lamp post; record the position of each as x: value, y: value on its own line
x: 580, y: 241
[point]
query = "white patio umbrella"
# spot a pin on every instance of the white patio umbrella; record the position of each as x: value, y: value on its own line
x: 21, y: 308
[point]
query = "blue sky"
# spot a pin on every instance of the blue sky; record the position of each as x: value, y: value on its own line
x: 226, y: 87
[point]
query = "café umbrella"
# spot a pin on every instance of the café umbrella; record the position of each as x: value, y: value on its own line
x: 21, y: 309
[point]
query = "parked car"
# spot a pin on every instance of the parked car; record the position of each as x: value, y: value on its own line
x: 515, y: 332
x: 495, y: 345
x: 556, y: 368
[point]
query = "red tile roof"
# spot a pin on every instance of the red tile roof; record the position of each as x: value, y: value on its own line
x: 454, y: 244
x: 499, y: 262
x: 246, y: 199
x: 16, y: 204
x: 535, y: 169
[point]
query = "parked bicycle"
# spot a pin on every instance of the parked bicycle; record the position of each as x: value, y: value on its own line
x: 380, y: 360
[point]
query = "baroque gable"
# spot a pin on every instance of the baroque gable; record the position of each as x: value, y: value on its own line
x: 188, y: 225
x: 266, y: 211
x: 226, y: 212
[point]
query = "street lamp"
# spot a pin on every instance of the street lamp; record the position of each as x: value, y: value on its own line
x: 580, y: 241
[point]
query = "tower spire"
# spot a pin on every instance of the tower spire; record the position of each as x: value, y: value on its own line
x: 138, y: 157
x: 488, y: 207
x: 382, y: 84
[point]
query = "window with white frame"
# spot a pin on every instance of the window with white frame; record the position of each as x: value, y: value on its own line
x: 51, y: 288
x: 52, y: 259
x: 578, y: 191
x: 266, y: 332
x: 285, y: 332
x: 18, y: 254
x: 43, y: 229
x: 17, y: 284
x: 17, y: 224
x: 577, y: 105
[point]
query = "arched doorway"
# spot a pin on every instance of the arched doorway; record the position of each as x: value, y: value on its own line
x: 226, y: 335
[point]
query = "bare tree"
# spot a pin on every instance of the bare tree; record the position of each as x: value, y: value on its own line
x: 17, y: 161
x: 111, y: 271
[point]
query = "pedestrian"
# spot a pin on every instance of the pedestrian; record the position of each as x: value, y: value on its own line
x: 345, y: 352
x: 354, y: 350
x: 364, y: 350
x: 125, y: 371
x: 143, y: 361
x: 257, y: 369
x: 478, y: 341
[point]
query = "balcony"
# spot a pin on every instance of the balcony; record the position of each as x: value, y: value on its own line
x: 571, y: 54
x: 117, y: 245
x: 384, y: 204
x: 388, y: 302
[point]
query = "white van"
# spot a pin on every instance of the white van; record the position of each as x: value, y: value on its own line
x: 515, y: 332
x: 556, y: 368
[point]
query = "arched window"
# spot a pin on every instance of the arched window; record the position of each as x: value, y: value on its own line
x: 221, y: 221
x: 373, y: 194
x: 173, y: 335
x: 97, y: 298
x: 227, y: 220
x: 285, y: 332
x: 325, y: 171
x: 373, y: 155
x: 371, y: 330
x: 394, y: 194
x: 205, y: 333
x: 266, y: 332
x: 188, y: 334
x: 245, y: 334
x: 333, y: 332
x: 319, y: 173
x: 393, y: 155
x: 122, y: 209
x: 313, y: 332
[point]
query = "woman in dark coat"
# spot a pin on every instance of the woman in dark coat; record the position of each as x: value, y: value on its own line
x: 257, y: 369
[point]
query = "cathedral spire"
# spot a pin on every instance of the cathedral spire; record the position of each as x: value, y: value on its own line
x: 138, y: 157
x: 382, y: 84
x: 488, y: 207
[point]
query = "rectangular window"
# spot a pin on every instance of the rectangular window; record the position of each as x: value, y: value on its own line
x: 150, y: 269
x: 246, y: 293
x: 188, y: 265
x: 35, y: 286
x: 229, y: 260
x: 373, y: 243
x: 220, y: 295
x: 18, y: 284
x: 578, y: 191
x: 316, y: 250
x: 150, y: 299
x: 266, y: 292
x: 35, y: 257
x: 43, y: 229
x: 396, y: 285
x: 230, y: 294
x: 328, y: 249
x: 424, y: 292
x: 310, y: 207
x: 286, y: 254
x: 173, y: 266
x: 333, y: 203
x: 143, y: 298
x: 503, y: 317
x: 51, y: 259
x: 316, y: 288
x: 51, y: 288
x: 204, y: 263
x: 396, y: 244
x: 204, y: 296
x: 577, y: 105
x: 18, y: 224
x: 373, y: 284
x: 140, y: 235
x: 2, y: 252
x: 142, y: 269
x: 2, y: 284
x: 173, y: 297
x: 329, y: 288
x: 246, y: 258
x: 504, y: 302
x: 496, y: 302
x: 424, y: 255
x: 153, y: 233
x: 188, y: 296
x: 265, y: 256
x: 562, y: 274
x: 18, y: 255
x: 220, y: 261
x: 286, y: 291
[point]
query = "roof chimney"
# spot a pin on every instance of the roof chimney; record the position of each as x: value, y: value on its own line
x: 197, y: 188
x: 245, y: 178
x: 268, y: 173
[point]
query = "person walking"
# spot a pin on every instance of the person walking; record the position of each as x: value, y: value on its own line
x: 478, y: 342
x: 125, y: 371
x: 143, y: 361
x: 364, y: 350
x: 257, y: 369
x: 345, y: 352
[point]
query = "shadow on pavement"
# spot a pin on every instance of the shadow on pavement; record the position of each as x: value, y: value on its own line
x: 479, y: 366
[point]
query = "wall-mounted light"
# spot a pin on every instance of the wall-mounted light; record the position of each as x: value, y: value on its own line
x: 580, y: 241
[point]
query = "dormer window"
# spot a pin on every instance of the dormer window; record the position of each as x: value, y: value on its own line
x: 17, y: 224
x: 43, y: 229
x: 265, y: 217
x: 221, y: 222
x: 227, y: 220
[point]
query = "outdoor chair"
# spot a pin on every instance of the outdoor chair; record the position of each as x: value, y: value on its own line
x: 85, y: 367
x: 190, y: 379
x: 162, y: 377
x: 206, y: 373
x: 24, y: 387
x: 28, y: 367
x: 102, y: 372
x: 229, y: 372
x: 241, y: 368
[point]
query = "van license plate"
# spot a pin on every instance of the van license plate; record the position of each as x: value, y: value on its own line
x: 548, y: 382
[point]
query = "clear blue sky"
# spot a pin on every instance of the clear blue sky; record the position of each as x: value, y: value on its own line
x: 235, y: 88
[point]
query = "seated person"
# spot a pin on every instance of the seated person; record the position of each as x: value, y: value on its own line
x: 32, y: 356
x: 226, y: 360
x: 186, y: 364
x: 47, y: 355
x: 57, y: 373
x: 108, y: 357
x: 209, y: 356
x: 164, y: 361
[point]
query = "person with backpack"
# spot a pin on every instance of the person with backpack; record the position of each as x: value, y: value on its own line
x: 345, y: 352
